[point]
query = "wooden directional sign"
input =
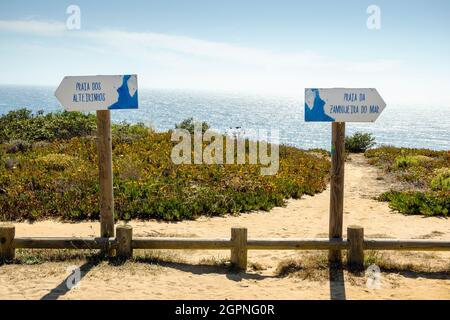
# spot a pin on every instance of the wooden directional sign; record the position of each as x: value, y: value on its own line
x: 87, y: 93
x: 101, y: 93
x: 343, y: 105
x: 340, y: 105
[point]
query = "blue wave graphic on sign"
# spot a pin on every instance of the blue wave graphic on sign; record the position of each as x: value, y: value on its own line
x: 317, y: 112
x: 125, y: 101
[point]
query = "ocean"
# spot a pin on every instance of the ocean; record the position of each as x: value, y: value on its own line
x: 398, y: 125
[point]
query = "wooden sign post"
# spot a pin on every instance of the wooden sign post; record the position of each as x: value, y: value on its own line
x: 337, y: 186
x: 101, y: 93
x: 340, y: 105
x: 104, y: 147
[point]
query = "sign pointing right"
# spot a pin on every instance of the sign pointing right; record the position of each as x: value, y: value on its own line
x: 340, y: 105
x: 343, y: 105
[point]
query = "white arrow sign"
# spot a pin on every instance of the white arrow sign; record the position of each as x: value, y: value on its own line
x: 98, y: 93
x: 343, y: 105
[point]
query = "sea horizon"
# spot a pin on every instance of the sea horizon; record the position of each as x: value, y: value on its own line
x: 162, y: 108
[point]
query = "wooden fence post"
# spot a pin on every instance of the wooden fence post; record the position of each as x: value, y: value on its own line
x: 337, y: 187
x: 7, y: 233
x: 124, y: 236
x: 239, y: 250
x: 355, y: 253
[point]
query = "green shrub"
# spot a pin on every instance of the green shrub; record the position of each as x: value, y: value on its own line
x: 441, y: 181
x: 127, y: 133
x: 359, y: 142
x: 56, y: 161
x: 189, y: 125
x: 416, y: 166
x: 58, y: 178
x: 403, y: 162
x: 416, y: 169
x: 22, y: 124
x: 386, y: 155
x: 428, y: 204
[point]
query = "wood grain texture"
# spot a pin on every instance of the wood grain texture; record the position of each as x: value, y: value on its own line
x: 226, y: 244
x: 355, y: 254
x: 410, y: 245
x: 124, y: 236
x: 64, y: 243
x: 7, y: 233
x: 239, y: 249
x: 104, y: 146
x: 296, y: 244
x: 181, y: 243
x: 337, y: 187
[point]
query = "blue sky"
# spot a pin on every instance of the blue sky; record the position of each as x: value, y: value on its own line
x: 277, y: 47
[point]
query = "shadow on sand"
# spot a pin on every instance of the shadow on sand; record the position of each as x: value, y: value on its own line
x: 61, y: 289
x: 335, y: 272
x: 337, y: 283
x: 202, y: 269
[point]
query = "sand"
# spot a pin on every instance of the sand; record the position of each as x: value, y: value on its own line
x: 195, y: 274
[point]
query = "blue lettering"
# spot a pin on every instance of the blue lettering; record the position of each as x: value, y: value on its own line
x: 350, y: 97
x: 82, y: 86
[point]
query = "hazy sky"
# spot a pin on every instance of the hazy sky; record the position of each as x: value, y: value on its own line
x: 246, y: 45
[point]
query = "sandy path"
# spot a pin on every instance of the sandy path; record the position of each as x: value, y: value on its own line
x: 190, y: 278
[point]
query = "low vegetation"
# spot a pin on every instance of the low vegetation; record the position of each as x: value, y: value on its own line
x: 359, y: 142
x: 189, y: 125
x: 423, y: 179
x: 21, y: 127
x: 48, y: 168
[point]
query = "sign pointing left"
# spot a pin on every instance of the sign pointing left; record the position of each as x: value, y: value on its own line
x: 101, y: 93
x: 88, y: 93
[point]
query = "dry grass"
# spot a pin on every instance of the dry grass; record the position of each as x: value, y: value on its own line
x: 416, y: 262
x: 215, y: 262
x: 256, y: 266
x: 156, y: 256
x: 39, y: 256
x: 315, y: 267
x: 311, y: 266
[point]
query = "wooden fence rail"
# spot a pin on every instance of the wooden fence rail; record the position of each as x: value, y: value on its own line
x: 412, y: 245
x: 181, y: 243
x: 124, y: 243
x: 297, y: 244
x: 64, y: 243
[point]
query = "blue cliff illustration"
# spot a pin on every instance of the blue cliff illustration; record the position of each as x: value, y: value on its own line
x: 125, y: 101
x: 314, y: 107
